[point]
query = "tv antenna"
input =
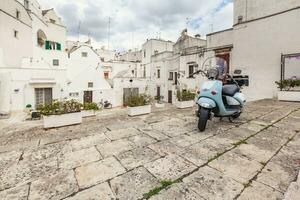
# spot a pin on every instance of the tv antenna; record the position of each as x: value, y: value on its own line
x: 108, y: 32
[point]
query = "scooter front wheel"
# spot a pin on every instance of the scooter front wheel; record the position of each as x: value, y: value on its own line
x: 204, y: 115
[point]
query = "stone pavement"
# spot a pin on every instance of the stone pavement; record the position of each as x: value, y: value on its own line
x: 157, y: 156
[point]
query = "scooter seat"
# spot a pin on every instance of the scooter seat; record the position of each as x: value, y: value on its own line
x: 230, y: 90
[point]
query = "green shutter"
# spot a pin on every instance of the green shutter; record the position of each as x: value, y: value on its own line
x: 47, y: 45
x: 58, y: 46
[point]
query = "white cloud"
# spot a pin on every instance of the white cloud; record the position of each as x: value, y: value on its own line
x: 133, y: 21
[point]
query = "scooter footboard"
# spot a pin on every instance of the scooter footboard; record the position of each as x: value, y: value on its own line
x: 206, y: 103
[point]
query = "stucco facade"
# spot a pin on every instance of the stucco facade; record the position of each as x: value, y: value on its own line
x: 257, y: 42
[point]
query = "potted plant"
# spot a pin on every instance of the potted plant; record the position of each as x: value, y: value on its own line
x: 185, y: 99
x: 139, y: 105
x: 289, y: 90
x: 89, y: 109
x: 159, y: 102
x: 58, y: 114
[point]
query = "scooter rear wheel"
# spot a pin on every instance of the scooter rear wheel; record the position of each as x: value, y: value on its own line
x: 204, y: 115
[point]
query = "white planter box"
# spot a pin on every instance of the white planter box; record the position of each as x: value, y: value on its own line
x: 54, y: 121
x: 88, y: 113
x: 159, y: 105
x: 185, y: 104
x: 140, y: 110
x: 289, y: 96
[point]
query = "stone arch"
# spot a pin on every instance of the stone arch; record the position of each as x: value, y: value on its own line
x: 41, y: 38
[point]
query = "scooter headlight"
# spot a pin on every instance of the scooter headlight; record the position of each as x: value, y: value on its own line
x: 205, y: 105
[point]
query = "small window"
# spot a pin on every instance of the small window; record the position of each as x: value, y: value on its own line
x: 84, y: 54
x: 191, y: 69
x: 240, y: 19
x: 55, y: 62
x: 16, y: 34
x: 17, y: 14
x: 155, y: 52
x: 144, y: 53
x: 158, y: 73
x: 52, y: 21
x: 171, y: 76
x: 74, y: 94
x: 144, y: 74
x: 106, y: 75
x: 26, y: 4
x: 90, y: 84
x: 102, y: 59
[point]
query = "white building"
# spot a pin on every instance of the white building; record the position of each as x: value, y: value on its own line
x: 263, y: 31
x: 86, y: 80
x: 172, y: 63
x: 32, y: 55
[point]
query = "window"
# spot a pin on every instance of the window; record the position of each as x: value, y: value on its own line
x: 158, y: 73
x: 90, y: 84
x: 171, y: 76
x: 191, y: 69
x: 26, y: 4
x: 155, y: 52
x: 52, y: 21
x: 16, y: 34
x: 106, y: 75
x: 74, y: 94
x: 240, y: 19
x: 144, y: 74
x: 17, y: 14
x: 55, y: 62
x: 102, y: 59
x: 52, y: 45
x: 83, y: 54
x: 144, y: 53
x: 43, y: 96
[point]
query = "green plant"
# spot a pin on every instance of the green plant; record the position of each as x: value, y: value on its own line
x: 155, y: 191
x: 60, y: 107
x: 90, y: 106
x: 185, y: 95
x: 288, y: 84
x: 139, y: 100
x: 159, y: 99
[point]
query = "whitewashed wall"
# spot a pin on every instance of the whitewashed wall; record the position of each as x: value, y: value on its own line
x: 258, y: 47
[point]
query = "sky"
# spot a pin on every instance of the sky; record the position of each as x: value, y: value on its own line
x: 135, y: 21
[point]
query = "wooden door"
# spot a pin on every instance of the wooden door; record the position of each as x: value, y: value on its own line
x: 158, y: 91
x: 170, y: 94
x: 127, y: 93
x: 88, y: 97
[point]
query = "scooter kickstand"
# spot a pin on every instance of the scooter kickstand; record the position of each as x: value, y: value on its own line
x: 230, y: 120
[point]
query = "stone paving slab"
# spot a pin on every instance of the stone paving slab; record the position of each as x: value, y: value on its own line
x: 170, y: 167
x: 121, y: 133
x: 54, y: 187
x: 17, y: 193
x: 179, y: 191
x: 98, y: 172
x: 79, y: 158
x: 237, y: 167
x: 133, y: 184
x: 137, y: 157
x: 98, y: 192
x: 260, y: 191
x: 212, y: 184
x: 115, y: 147
x: 142, y: 140
x: 88, y: 141
x: 166, y: 147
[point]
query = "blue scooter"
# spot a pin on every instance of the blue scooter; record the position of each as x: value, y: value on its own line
x: 218, y: 100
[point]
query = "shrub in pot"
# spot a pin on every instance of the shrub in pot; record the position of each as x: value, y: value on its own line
x: 159, y: 102
x: 61, y: 113
x: 289, y: 89
x: 139, y: 105
x: 89, y: 109
x: 185, y: 99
